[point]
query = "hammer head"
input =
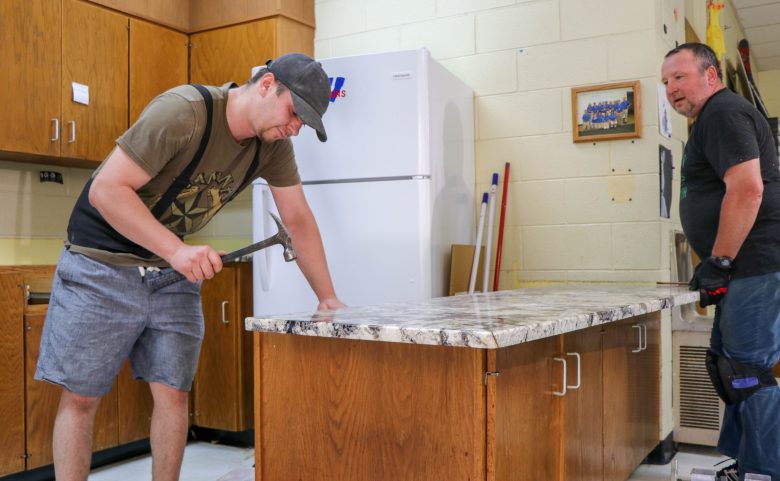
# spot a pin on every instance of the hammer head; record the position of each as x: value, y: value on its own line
x: 283, y: 237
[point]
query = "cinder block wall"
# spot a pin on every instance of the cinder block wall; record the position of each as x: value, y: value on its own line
x: 587, y: 211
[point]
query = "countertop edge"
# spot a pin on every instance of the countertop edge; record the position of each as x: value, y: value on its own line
x: 496, y: 336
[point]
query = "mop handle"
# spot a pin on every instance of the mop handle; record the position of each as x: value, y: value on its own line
x: 489, y: 243
x: 500, y: 242
x: 475, y: 262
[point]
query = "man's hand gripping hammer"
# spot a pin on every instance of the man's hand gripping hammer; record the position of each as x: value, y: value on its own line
x: 282, y: 237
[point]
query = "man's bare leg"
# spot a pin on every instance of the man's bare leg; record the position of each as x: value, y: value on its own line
x: 168, y: 432
x: 72, y: 439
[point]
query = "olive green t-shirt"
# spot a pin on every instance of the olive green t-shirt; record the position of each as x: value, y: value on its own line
x: 164, y: 140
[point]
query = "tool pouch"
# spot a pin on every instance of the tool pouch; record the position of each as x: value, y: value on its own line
x: 735, y: 381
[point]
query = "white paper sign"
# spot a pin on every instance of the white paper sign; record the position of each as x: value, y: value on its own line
x: 664, y: 113
x: 80, y: 93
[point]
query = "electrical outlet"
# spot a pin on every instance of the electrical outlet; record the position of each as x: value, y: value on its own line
x: 50, y: 176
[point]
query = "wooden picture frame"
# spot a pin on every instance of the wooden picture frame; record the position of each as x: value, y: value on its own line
x: 606, y: 112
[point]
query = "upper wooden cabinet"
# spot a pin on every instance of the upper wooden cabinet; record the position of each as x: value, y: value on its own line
x: 30, y: 77
x: 228, y: 54
x: 94, y: 53
x: 158, y: 61
x: 48, y: 45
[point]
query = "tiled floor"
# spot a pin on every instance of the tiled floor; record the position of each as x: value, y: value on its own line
x: 688, y: 457
x: 202, y: 462
x: 216, y: 462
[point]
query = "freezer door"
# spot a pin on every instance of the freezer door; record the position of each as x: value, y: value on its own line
x: 375, y: 120
x: 376, y: 238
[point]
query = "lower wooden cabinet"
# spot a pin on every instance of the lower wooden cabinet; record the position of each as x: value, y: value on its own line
x: 581, y: 406
x: 221, y: 396
x: 631, y: 393
x: 222, y: 391
x: 527, y: 412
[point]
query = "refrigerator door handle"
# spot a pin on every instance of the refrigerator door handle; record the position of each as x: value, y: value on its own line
x: 262, y: 257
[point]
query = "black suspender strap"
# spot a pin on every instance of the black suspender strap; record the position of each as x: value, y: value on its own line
x: 183, y: 179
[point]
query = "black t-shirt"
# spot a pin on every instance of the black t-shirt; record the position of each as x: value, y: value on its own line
x: 728, y: 131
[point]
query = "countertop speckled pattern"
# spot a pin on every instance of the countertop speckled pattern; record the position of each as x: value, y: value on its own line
x: 484, y: 321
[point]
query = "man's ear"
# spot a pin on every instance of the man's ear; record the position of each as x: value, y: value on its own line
x: 712, y: 75
x: 265, y: 83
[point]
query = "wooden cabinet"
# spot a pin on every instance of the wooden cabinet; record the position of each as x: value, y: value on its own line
x: 12, y: 454
x: 158, y: 62
x: 30, y: 79
x: 94, y: 53
x: 30, y: 406
x: 222, y: 391
x: 583, y: 441
x: 527, y: 412
x: 228, y: 54
x: 48, y: 45
x: 581, y: 406
x: 631, y: 393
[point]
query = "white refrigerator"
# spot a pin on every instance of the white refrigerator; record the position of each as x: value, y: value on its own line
x: 391, y: 189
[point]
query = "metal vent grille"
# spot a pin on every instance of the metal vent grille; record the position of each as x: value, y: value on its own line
x: 698, y: 400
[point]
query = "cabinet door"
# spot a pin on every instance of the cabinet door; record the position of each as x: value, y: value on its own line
x: 582, y: 406
x: 94, y: 53
x: 647, y: 366
x: 528, y: 414
x: 11, y: 373
x: 228, y: 54
x: 628, y: 382
x: 158, y: 61
x: 216, y: 382
x: 30, y: 82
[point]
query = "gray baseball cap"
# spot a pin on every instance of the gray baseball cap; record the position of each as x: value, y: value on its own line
x: 309, y: 85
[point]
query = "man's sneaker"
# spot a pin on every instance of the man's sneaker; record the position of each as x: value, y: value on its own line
x: 729, y: 473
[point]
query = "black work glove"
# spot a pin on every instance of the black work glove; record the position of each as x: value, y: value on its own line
x: 711, y: 279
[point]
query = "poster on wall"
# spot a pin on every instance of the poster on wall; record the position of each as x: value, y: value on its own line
x: 665, y: 179
x: 664, y: 113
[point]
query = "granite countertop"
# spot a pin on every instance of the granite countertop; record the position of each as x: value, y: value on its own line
x: 486, y: 321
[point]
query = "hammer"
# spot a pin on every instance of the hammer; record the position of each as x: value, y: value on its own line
x: 171, y: 276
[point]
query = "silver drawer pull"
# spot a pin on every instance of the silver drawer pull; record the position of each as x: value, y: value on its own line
x: 55, y: 123
x: 563, y: 391
x: 224, y: 314
x: 579, y: 369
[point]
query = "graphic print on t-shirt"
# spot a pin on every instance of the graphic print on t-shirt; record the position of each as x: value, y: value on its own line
x: 197, y: 203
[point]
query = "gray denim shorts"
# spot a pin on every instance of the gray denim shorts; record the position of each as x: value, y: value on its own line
x: 100, y: 314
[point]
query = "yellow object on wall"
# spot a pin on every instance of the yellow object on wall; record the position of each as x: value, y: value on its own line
x: 714, y: 30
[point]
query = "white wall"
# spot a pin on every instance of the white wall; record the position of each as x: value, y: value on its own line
x: 522, y: 58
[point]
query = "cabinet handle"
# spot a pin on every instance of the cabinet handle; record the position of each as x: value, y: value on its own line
x: 55, y: 123
x: 579, y: 369
x: 224, y: 315
x: 72, y: 124
x: 638, y: 349
x: 563, y: 391
x: 644, y: 330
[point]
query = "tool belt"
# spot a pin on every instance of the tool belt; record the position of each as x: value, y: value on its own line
x: 736, y: 381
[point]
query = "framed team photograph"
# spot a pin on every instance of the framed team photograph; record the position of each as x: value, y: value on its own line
x: 606, y: 112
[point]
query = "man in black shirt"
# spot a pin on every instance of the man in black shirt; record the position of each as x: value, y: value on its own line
x: 730, y: 212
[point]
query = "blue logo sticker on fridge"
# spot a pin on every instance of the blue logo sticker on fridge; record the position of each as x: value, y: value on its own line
x: 337, y: 88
